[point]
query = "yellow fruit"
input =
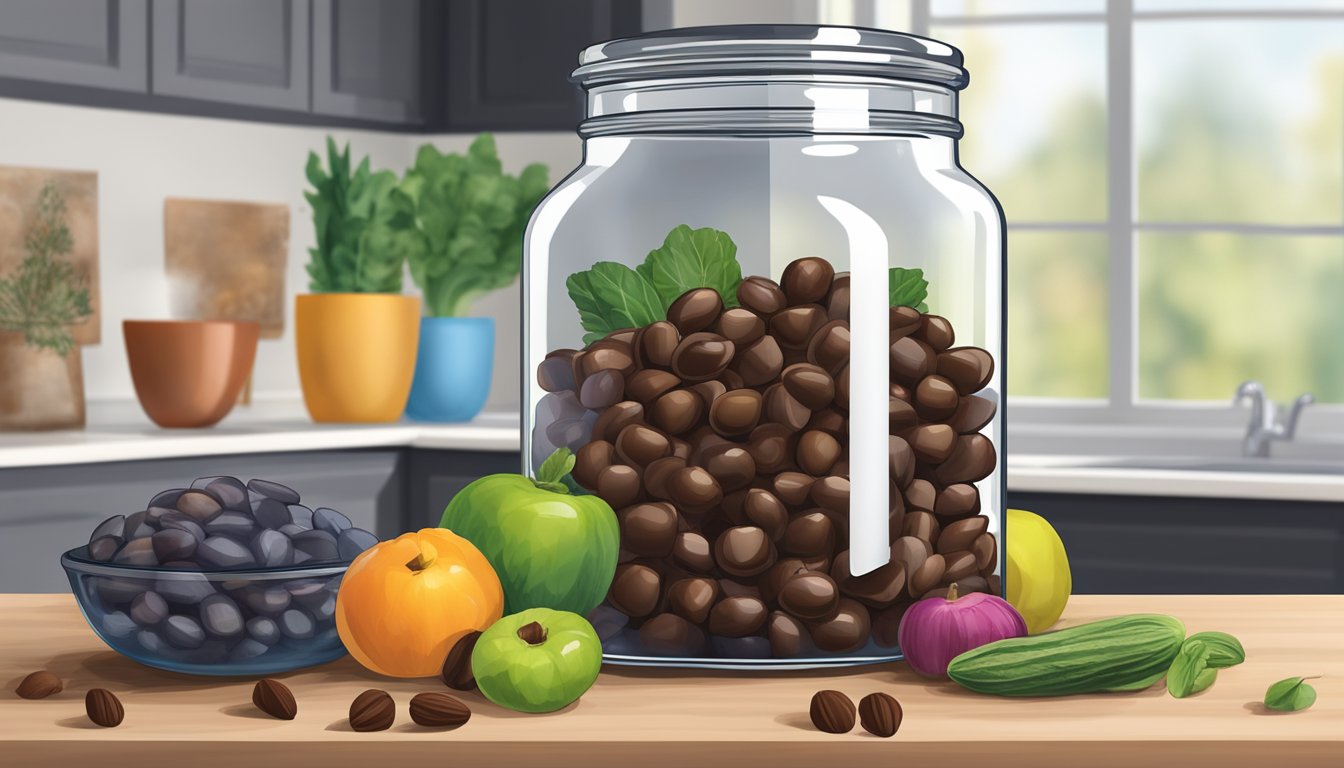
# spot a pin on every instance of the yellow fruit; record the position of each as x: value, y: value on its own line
x: 1038, y: 581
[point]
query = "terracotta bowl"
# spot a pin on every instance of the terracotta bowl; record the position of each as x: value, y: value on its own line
x: 189, y: 373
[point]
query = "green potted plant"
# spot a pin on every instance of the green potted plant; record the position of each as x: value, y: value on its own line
x: 41, y: 376
x: 355, y: 333
x: 469, y: 219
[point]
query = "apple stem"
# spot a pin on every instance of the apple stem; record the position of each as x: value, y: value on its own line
x: 952, y: 592
x: 420, y: 562
x: 532, y: 633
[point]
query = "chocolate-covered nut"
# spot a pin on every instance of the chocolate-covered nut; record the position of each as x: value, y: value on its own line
x: 961, y: 534
x: 793, y: 328
x: 591, y: 459
x: 932, y: 443
x: 792, y: 488
x: 837, y: 300
x: 936, y: 398
x: 695, y: 310
x: 935, y: 331
x: 817, y: 452
x: 829, y: 347
x: 904, y: 321
x: 656, y: 344
x: 668, y: 634
x: 681, y: 449
x: 635, y: 590
x: 736, y: 413
x: 920, y: 495
x: 617, y: 417
x: 972, y: 459
x: 692, y: 552
x: 704, y: 439
x: 810, y: 534
x: 638, y: 445
x: 737, y: 616
x: 902, y: 461
x: 972, y: 414
x: 647, y: 384
x: 763, y: 510
x: 782, y: 408
x: 744, y: 551
x: 648, y: 529
x: 772, y: 446
x: 702, y: 356
x: 809, y: 596
x: 610, y: 353
x: 731, y: 380
x: 773, y: 581
x: 657, y: 473
x: 830, y: 421
x: 605, y: 387
x: 708, y: 392
x: 735, y: 588
x: 761, y: 295
x: 968, y: 368
x: 958, y: 565
x: 957, y: 500
x: 692, y: 598
x: 759, y: 362
x: 911, y: 360
x: 694, y: 488
x: 677, y: 412
x: 730, y: 464
x: 786, y: 635
x: 900, y: 416
x: 922, y: 526
x: 842, y: 389
x: 809, y: 384
x: 911, y: 552
x: 618, y: 485
x: 847, y: 630
x: 877, y: 588
x: 740, y: 326
x: 806, y: 280
x: 926, y: 576
x: 556, y: 372
x: 986, y: 551
x: 831, y: 493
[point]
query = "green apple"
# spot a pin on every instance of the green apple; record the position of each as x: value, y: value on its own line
x: 539, y: 660
x: 550, y: 549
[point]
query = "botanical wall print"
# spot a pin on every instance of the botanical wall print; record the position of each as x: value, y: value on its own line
x: 21, y: 196
x: 225, y: 260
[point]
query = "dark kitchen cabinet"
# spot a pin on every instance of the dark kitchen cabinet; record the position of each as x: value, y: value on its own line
x: 371, y: 59
x: 76, y: 42
x: 248, y: 52
x: 435, y: 477
x: 508, y: 61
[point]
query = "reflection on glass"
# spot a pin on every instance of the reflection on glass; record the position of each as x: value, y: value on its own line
x: 1217, y: 309
x: 1240, y: 121
x: 1036, y: 129
x: 1012, y: 7
x: 1238, y: 5
x: 1057, y: 337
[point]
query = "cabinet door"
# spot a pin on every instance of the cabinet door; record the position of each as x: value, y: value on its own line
x: 367, y: 59
x: 250, y: 52
x: 509, y: 60
x: 76, y: 42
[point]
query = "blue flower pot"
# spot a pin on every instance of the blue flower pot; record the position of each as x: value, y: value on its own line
x: 452, y: 369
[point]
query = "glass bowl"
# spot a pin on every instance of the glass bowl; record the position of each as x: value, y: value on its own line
x: 214, y: 622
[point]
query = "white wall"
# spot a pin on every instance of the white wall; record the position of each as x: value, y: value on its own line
x: 143, y: 158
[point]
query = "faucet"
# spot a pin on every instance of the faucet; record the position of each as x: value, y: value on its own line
x: 1267, y: 424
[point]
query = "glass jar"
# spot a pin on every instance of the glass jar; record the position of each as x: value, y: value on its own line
x: 767, y: 313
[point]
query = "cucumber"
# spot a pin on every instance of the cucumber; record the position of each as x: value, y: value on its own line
x: 1126, y: 653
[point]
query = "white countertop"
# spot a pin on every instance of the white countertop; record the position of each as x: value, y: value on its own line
x: 119, y: 431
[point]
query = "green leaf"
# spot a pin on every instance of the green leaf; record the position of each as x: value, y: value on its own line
x: 908, y: 288
x: 1291, y: 694
x: 1190, y: 663
x: 694, y: 258
x: 612, y: 296
x: 1224, y: 649
x: 555, y: 467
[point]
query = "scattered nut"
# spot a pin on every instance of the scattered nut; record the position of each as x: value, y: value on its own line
x: 275, y: 699
x: 439, y: 710
x: 372, y: 710
x: 880, y: 714
x: 832, y: 712
x: 39, y: 685
x: 103, y: 708
x: 457, y: 667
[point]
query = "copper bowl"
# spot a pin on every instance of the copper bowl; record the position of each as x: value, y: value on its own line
x: 189, y: 373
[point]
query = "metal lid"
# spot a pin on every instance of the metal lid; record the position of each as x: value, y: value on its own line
x: 771, y: 49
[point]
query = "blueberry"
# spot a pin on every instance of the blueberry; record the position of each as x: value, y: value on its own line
x: 103, y: 548
x: 112, y: 526
x: 270, y: 513
x: 173, y: 544
x: 263, y: 630
x: 353, y: 541
x: 329, y: 520
x: 183, y: 631
x: 221, y: 617
x: 138, y: 552
x: 272, y: 490
x: 296, y: 625
x: 317, y: 545
x: 301, y: 515
x: 229, y: 490
x: 118, y: 624
x: 272, y: 549
x: 269, y: 601
x: 183, y: 588
x: 136, y: 527
x: 236, y: 524
x: 223, y: 552
x: 149, y: 609
x: 181, y: 522
x: 247, y: 649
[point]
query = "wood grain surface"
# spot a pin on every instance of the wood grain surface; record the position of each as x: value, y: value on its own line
x: 653, y: 718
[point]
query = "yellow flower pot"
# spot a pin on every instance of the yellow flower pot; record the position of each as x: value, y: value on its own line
x: 356, y: 354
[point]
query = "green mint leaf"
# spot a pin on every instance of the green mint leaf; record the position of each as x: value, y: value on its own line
x: 556, y: 466
x: 1224, y: 649
x: 908, y: 288
x: 1290, y: 695
x: 1190, y: 663
x: 612, y: 296
x: 1204, y: 680
x: 694, y: 258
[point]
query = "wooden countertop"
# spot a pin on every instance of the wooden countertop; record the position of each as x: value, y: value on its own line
x: 682, y: 718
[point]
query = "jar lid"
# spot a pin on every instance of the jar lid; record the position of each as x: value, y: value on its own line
x: 753, y: 49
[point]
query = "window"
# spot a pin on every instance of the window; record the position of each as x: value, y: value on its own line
x: 1173, y: 177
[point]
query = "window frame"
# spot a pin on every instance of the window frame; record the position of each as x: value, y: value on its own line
x: 1084, y: 425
